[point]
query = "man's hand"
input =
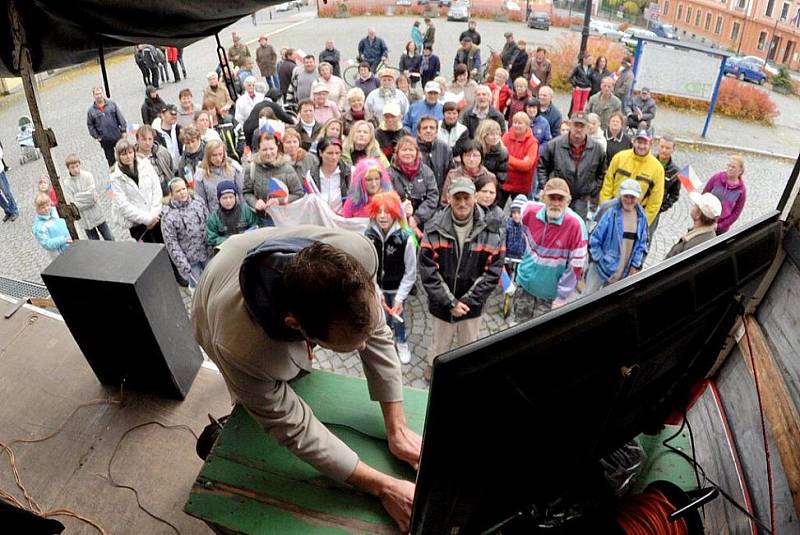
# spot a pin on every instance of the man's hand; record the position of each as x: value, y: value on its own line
x: 557, y: 303
x: 406, y: 445
x: 459, y: 310
x: 272, y: 202
x: 397, y: 309
x: 260, y: 205
x: 397, y: 497
x: 633, y: 271
x: 154, y: 222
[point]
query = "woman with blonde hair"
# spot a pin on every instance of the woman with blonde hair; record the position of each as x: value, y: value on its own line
x: 361, y: 143
x: 369, y: 177
x: 333, y: 128
x: 301, y: 160
x: 729, y: 188
x: 215, y: 167
x: 501, y: 93
x: 495, y: 155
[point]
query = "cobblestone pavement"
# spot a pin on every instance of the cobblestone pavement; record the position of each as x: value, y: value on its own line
x: 65, y: 98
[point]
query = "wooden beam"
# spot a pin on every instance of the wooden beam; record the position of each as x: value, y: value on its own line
x: 782, y: 415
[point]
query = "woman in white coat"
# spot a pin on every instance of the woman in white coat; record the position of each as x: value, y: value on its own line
x: 136, y: 201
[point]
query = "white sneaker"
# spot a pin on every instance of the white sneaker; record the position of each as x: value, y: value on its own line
x: 403, y: 352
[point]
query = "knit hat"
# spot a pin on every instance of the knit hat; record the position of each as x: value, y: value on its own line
x: 519, y: 202
x: 225, y: 186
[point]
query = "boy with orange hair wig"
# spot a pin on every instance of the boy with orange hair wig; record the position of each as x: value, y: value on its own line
x: 397, y: 262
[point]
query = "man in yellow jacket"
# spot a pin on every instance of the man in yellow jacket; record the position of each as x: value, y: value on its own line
x: 639, y: 164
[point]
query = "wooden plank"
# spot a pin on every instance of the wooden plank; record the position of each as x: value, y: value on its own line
x: 779, y: 317
x: 738, y: 397
x: 44, y: 378
x: 716, y: 453
x: 779, y: 408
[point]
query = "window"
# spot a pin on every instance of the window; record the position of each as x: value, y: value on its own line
x: 785, y: 11
x: 770, y: 7
x: 718, y: 28
x: 735, y: 31
x: 762, y: 40
x: 680, y: 12
x: 698, y: 18
x: 666, y: 7
x: 689, y: 15
x: 741, y: 4
x: 708, y: 21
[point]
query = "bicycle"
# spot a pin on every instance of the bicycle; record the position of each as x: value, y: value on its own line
x: 350, y: 74
x: 508, y: 294
x: 493, y: 62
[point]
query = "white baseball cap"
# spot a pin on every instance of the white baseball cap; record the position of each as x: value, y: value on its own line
x: 630, y: 187
x: 433, y: 87
x: 707, y: 203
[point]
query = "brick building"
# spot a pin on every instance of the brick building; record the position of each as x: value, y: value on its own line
x: 769, y: 29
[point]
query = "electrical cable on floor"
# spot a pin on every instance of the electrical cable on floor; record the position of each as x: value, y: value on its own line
x: 135, y: 492
x: 724, y: 494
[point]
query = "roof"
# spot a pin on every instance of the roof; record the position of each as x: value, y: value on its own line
x: 65, y: 33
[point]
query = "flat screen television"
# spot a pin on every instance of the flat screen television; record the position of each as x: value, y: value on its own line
x: 520, y: 418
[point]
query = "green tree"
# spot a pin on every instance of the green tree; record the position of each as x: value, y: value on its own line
x: 630, y: 7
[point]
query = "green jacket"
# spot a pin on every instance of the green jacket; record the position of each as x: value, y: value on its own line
x: 217, y: 232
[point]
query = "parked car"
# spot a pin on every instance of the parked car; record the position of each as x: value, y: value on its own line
x: 458, y: 12
x: 767, y: 67
x: 630, y: 37
x: 665, y: 31
x: 539, y: 20
x: 745, y: 69
x: 403, y: 3
x: 510, y: 5
x: 288, y: 6
x: 602, y: 28
x: 444, y: 3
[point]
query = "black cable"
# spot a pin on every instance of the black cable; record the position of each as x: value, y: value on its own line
x: 698, y: 466
x: 135, y: 492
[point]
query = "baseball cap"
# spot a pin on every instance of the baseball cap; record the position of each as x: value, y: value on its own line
x: 642, y: 134
x: 433, y: 87
x: 225, y: 186
x: 392, y: 108
x: 171, y: 108
x: 556, y: 186
x: 461, y: 184
x: 630, y: 187
x: 319, y: 88
x: 466, y: 39
x: 387, y: 72
x: 519, y: 202
x: 579, y: 117
x: 707, y: 203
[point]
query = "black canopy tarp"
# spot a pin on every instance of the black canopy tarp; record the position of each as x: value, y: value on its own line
x: 65, y: 32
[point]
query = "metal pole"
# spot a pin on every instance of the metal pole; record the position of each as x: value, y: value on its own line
x: 103, y: 65
x: 713, y: 102
x: 44, y: 138
x: 587, y: 18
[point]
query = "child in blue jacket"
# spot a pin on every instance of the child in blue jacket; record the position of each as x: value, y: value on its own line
x: 49, y: 229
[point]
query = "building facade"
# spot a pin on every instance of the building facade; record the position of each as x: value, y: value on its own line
x: 768, y: 29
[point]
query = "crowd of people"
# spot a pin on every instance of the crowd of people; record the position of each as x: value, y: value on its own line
x: 454, y: 182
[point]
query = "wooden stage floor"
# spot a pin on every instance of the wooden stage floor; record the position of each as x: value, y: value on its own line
x: 43, y: 379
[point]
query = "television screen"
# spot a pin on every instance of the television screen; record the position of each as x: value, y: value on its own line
x: 521, y: 418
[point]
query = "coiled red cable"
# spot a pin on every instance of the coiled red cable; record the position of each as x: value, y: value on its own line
x: 648, y: 514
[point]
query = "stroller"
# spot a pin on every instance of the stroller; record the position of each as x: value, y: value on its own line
x: 25, y: 140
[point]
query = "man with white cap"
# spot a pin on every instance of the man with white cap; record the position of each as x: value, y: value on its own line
x: 555, y: 254
x: 248, y: 100
x: 324, y: 108
x: 387, y: 92
x: 639, y: 164
x: 705, y: 212
x: 429, y: 106
x: 460, y: 260
x: 618, y: 244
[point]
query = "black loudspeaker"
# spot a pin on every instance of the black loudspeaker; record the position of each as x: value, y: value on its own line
x: 122, y: 306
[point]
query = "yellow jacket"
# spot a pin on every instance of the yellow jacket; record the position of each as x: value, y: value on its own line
x: 646, y: 170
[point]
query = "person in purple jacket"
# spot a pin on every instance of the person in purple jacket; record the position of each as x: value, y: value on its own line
x: 729, y: 188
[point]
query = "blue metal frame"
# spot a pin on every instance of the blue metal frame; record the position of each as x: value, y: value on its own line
x: 640, y: 43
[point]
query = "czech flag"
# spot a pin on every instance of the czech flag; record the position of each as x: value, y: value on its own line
x: 506, y: 283
x: 132, y: 129
x: 277, y: 189
x: 309, y: 186
x: 689, y: 179
x: 109, y: 190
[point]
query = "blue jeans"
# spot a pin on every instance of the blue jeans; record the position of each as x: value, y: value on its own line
x: 102, y: 228
x: 197, y: 271
x: 7, y: 202
x: 273, y: 81
x: 397, y: 327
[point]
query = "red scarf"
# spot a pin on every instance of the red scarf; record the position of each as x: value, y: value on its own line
x: 472, y: 173
x: 577, y: 152
x: 409, y: 170
x: 358, y: 115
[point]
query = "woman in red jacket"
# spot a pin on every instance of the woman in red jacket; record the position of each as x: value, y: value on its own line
x: 172, y: 58
x: 523, y: 155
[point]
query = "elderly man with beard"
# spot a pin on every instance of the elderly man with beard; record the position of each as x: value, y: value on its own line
x: 555, y: 254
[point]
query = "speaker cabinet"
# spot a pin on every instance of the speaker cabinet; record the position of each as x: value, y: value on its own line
x: 122, y: 306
